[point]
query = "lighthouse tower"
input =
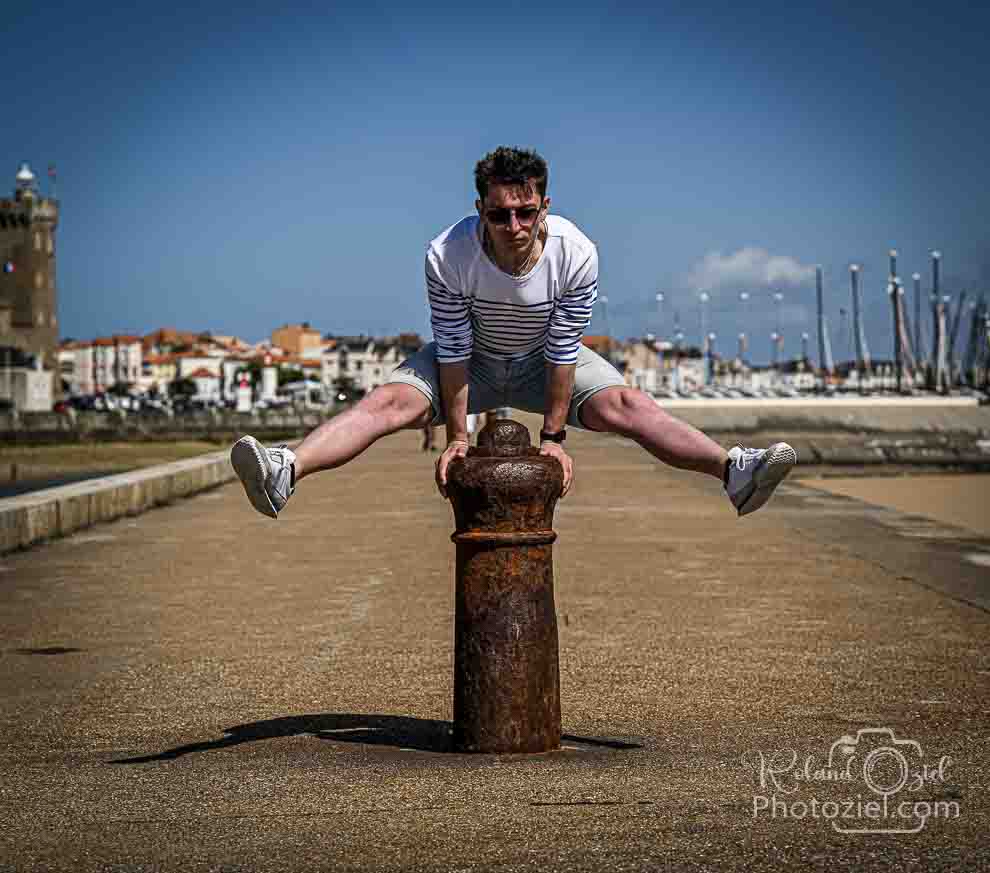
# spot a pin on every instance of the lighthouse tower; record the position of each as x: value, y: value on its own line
x: 28, y: 311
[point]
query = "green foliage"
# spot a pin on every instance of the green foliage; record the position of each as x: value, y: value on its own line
x: 182, y: 388
x: 290, y: 375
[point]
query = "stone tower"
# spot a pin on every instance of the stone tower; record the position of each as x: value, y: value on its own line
x: 28, y: 313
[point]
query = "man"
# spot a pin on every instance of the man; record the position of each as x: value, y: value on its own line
x: 511, y: 291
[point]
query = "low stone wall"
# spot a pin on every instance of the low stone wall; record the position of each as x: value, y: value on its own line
x: 860, y: 416
x: 57, y: 512
x: 848, y: 415
x: 219, y: 426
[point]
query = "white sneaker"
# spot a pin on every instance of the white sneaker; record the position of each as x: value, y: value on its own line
x: 755, y: 473
x: 267, y: 475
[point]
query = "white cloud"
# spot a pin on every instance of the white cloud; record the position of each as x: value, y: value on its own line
x: 748, y: 268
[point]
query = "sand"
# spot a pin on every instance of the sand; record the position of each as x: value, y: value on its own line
x: 962, y: 500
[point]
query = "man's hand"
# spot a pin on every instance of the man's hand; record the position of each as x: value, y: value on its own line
x: 455, y: 449
x: 556, y: 450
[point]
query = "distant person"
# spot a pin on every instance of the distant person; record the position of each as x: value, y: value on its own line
x: 496, y: 414
x: 428, y: 445
x: 511, y: 291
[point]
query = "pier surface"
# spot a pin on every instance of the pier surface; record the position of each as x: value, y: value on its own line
x: 201, y: 688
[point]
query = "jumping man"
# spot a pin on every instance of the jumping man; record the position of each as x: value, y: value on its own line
x: 511, y: 291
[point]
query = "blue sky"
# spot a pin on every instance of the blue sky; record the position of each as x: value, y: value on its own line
x: 232, y: 169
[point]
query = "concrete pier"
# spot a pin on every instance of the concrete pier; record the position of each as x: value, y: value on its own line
x: 201, y: 688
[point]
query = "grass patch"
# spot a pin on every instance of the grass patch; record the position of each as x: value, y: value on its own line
x: 80, y: 457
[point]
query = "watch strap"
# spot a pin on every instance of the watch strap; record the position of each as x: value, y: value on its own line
x: 557, y: 437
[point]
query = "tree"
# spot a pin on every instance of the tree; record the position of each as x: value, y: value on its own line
x: 285, y: 376
x: 120, y: 389
x: 182, y: 388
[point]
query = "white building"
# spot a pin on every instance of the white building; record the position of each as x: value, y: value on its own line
x: 77, y: 368
x: 24, y: 383
x: 207, y: 384
x: 188, y: 363
x: 366, y: 362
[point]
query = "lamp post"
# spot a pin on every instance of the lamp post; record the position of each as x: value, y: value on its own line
x: 778, y: 299
x: 659, y: 348
x: 608, y: 332
x: 703, y: 298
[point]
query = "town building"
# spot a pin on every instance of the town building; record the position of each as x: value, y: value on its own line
x: 298, y: 339
x: 362, y: 363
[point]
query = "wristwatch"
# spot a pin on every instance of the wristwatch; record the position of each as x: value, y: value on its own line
x: 557, y: 437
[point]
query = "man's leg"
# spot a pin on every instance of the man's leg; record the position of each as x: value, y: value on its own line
x: 385, y: 410
x: 633, y: 414
x: 269, y: 475
x: 750, y: 476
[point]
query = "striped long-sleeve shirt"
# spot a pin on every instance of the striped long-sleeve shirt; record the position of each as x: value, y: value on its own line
x: 475, y: 305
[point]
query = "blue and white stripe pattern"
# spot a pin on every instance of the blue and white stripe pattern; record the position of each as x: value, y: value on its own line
x: 474, y: 305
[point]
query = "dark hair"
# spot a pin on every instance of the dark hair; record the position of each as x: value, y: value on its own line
x: 511, y: 166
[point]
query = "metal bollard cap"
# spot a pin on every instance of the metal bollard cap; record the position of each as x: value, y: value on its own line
x: 504, y: 439
x: 504, y: 484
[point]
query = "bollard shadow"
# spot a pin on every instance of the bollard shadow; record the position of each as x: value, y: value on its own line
x: 395, y: 731
x: 402, y: 732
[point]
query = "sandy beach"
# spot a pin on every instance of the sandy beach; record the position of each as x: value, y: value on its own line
x: 962, y: 500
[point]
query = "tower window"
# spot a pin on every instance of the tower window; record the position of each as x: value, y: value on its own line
x: 37, y: 240
x: 39, y: 279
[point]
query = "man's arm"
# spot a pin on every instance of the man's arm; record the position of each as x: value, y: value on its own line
x: 559, y: 387
x: 568, y: 322
x: 450, y: 318
x: 454, y: 390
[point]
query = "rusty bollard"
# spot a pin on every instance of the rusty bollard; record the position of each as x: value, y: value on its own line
x: 506, y: 676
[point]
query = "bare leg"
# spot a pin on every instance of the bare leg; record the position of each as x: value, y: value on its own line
x: 633, y: 414
x: 385, y: 410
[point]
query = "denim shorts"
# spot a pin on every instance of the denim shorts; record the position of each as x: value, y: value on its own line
x: 495, y: 382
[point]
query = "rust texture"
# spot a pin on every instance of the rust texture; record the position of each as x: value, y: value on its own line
x: 506, y: 675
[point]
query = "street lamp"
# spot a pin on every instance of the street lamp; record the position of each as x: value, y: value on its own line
x: 703, y: 298
x: 608, y: 333
x: 778, y: 299
x: 659, y: 299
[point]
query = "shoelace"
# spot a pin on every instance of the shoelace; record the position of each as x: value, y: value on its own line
x: 747, y: 455
x: 278, y: 453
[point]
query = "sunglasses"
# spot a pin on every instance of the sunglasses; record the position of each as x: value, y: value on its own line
x: 500, y: 215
